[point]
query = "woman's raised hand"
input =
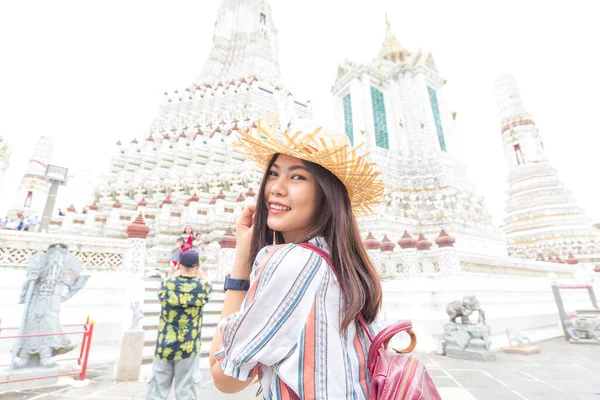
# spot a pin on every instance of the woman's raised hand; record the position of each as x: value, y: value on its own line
x: 244, y: 228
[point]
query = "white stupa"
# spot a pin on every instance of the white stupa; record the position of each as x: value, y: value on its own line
x: 543, y: 220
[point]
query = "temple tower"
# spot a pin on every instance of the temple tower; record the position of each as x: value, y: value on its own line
x: 395, y: 106
x: 244, y: 43
x: 184, y: 168
x: 543, y: 219
x: 33, y: 189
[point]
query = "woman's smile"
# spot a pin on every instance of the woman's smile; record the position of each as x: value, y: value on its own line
x: 277, y: 208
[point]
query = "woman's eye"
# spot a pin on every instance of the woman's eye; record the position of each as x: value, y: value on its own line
x: 272, y: 173
x: 298, y: 177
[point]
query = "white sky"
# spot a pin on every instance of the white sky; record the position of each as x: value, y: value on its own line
x: 89, y: 73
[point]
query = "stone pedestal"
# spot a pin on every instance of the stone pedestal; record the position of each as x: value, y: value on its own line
x: 226, y: 255
x: 129, y: 362
x: 469, y: 342
x: 7, y: 374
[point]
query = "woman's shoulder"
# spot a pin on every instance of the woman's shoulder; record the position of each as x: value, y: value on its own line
x: 290, y: 252
x: 286, y: 263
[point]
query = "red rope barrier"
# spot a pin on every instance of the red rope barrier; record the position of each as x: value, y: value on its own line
x: 86, y: 344
x: 573, y: 286
x: 41, y: 335
x: 12, y: 328
x: 38, y: 377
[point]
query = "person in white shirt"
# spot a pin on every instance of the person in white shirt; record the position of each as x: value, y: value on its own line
x: 198, y: 245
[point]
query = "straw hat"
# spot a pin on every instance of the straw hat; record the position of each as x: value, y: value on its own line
x: 331, y: 150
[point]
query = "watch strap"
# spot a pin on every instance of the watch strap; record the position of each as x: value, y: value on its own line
x: 236, y: 284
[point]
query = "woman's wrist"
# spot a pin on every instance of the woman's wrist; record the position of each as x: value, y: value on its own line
x: 238, y: 274
x: 241, y: 269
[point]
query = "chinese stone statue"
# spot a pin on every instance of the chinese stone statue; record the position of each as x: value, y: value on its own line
x: 464, y: 309
x: 467, y: 340
x: 52, y: 278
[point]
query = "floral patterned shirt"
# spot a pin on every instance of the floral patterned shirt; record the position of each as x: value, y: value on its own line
x: 181, y: 299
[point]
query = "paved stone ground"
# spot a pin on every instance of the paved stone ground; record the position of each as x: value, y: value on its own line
x: 562, y: 371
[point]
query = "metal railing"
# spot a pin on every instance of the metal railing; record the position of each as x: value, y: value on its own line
x: 82, y: 360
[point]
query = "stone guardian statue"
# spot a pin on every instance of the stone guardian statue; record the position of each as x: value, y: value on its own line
x: 52, y: 278
x: 467, y: 340
x: 463, y: 309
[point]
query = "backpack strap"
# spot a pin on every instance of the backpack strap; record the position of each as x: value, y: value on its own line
x: 325, y: 256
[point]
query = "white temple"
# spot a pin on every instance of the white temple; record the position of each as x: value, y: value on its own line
x: 186, y: 172
x: 543, y: 221
x: 395, y: 104
x: 32, y: 192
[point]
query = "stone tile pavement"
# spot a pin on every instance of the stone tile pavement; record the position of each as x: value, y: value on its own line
x: 562, y: 371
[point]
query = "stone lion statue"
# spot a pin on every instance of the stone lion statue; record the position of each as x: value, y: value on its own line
x: 464, y: 308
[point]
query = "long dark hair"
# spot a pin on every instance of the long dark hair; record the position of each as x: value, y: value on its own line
x: 185, y: 229
x: 360, y: 282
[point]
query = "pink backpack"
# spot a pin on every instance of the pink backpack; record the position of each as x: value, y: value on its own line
x: 393, y: 374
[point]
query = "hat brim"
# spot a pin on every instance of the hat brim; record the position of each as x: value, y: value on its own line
x: 359, y: 176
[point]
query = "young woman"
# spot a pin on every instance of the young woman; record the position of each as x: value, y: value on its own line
x: 293, y: 325
x: 188, y: 236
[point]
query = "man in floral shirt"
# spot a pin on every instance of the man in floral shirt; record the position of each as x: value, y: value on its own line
x: 177, y: 354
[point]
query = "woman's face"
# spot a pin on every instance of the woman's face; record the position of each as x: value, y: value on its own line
x: 188, y: 230
x: 291, y: 197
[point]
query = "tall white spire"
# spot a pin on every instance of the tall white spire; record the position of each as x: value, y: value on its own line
x: 33, y: 189
x: 523, y: 143
x: 391, y: 49
x: 508, y: 98
x: 244, y: 44
x: 543, y: 219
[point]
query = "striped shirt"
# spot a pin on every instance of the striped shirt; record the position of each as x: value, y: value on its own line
x: 288, y: 330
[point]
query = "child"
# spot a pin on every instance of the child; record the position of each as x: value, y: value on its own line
x: 178, y: 343
x: 175, y: 255
x: 199, y: 246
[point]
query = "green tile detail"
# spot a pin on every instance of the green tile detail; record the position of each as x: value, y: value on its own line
x: 348, y: 127
x: 436, y: 117
x: 379, y: 119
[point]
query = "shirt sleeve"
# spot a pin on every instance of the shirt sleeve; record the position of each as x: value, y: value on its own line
x: 162, y: 291
x: 204, y: 294
x: 284, y: 282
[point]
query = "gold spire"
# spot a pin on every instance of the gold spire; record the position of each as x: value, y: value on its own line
x: 391, y: 49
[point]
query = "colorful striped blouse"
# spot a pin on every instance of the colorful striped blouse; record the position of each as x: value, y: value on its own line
x: 288, y: 330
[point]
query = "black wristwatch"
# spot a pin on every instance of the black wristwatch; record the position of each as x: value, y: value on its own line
x: 235, y: 284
